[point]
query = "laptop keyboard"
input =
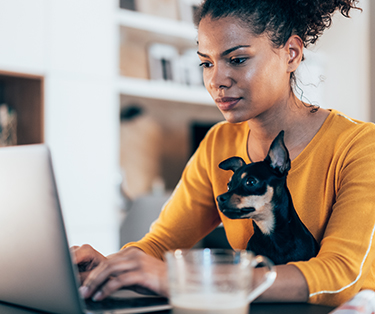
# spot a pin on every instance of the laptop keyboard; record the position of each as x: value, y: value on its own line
x: 113, y: 303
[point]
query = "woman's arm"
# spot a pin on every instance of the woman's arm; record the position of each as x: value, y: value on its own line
x: 133, y: 269
x: 345, y: 177
x: 290, y: 285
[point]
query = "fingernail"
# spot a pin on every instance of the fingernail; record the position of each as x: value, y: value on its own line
x: 83, y: 290
x: 97, y: 296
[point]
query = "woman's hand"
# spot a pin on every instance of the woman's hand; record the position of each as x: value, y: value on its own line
x: 86, y: 258
x: 129, y: 268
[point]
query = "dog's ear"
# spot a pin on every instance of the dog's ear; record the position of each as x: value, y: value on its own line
x: 232, y: 163
x: 278, y: 155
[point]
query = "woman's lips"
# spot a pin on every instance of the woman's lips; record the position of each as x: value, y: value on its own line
x: 227, y: 103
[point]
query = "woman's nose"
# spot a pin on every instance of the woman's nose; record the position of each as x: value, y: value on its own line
x: 219, y: 78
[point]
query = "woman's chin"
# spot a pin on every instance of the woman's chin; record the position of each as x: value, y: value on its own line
x: 231, y: 118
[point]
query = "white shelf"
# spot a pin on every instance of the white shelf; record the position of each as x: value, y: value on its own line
x: 156, y: 24
x: 164, y: 91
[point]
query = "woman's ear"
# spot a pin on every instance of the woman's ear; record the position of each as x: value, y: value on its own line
x: 294, y: 47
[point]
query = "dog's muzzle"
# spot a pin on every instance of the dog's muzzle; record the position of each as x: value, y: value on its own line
x: 230, y: 210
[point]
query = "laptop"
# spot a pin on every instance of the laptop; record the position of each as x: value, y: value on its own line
x: 36, y: 269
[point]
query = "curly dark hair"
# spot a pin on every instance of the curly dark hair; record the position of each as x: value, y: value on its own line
x: 280, y: 19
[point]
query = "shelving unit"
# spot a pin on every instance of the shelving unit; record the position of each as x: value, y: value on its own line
x: 24, y: 92
x: 164, y: 90
x: 155, y: 24
x: 183, y: 112
x: 174, y: 106
x: 145, y: 28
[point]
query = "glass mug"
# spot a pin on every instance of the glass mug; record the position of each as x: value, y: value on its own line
x: 215, y: 281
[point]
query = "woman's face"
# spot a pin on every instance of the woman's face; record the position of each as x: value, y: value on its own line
x: 246, y: 76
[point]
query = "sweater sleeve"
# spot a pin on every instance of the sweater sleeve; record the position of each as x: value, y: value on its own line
x: 190, y: 213
x: 346, y: 261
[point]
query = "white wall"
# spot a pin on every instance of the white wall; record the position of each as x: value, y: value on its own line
x: 22, y: 25
x: 342, y: 57
x: 81, y: 116
x: 74, y: 45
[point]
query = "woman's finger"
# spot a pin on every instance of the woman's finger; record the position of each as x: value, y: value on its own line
x: 112, y: 285
x: 102, y: 273
x: 124, y: 269
x: 86, y: 257
x: 137, y: 279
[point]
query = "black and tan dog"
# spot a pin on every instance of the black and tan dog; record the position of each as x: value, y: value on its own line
x: 258, y: 191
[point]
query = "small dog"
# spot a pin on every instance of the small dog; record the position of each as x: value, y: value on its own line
x: 259, y: 191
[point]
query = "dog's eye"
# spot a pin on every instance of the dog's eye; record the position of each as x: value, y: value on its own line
x: 251, y: 181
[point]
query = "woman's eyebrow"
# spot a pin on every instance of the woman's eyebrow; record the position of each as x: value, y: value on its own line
x: 226, y: 52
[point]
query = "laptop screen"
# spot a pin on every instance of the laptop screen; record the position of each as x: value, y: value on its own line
x: 36, y: 268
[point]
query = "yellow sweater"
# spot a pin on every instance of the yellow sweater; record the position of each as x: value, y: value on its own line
x: 332, y: 183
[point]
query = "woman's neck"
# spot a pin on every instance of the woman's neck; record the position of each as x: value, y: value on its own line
x: 298, y: 121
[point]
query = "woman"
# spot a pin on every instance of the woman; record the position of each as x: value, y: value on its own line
x: 250, y: 50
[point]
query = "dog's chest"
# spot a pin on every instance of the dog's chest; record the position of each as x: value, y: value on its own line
x: 292, y: 243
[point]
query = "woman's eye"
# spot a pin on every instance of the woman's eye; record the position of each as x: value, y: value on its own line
x: 237, y: 61
x: 251, y: 182
x: 205, y: 64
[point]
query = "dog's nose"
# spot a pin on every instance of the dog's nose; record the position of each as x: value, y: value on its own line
x: 222, y: 198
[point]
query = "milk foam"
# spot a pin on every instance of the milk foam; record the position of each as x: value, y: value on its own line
x: 210, y: 303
